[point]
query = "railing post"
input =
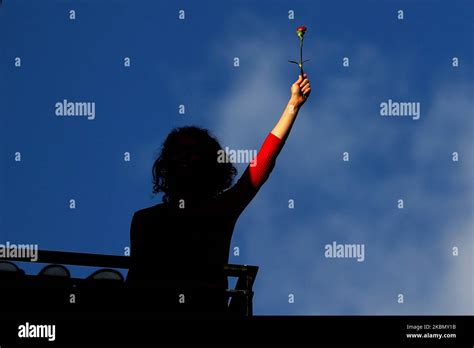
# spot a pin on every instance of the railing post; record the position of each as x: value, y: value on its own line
x: 249, y: 295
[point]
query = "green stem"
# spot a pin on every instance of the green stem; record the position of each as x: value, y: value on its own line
x: 301, y: 57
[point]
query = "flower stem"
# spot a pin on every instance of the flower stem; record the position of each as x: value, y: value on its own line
x: 301, y: 57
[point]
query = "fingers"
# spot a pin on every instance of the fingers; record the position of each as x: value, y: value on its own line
x: 304, y: 82
x: 302, y: 85
x: 305, y: 86
x: 300, y: 79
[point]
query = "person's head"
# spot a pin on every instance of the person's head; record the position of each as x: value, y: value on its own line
x: 188, y: 167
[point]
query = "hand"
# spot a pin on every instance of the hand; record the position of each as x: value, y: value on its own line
x: 300, y: 90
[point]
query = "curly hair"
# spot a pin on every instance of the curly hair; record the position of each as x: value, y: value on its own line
x: 213, y: 176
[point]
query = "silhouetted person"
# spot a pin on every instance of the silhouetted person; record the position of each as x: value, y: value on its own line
x: 184, y: 242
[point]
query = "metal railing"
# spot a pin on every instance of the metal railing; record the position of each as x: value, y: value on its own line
x: 241, y: 297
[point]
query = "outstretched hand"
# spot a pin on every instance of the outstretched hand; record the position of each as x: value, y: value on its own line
x: 300, y: 90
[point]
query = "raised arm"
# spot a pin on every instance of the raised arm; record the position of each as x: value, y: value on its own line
x: 240, y: 195
x: 265, y: 160
x: 300, y: 91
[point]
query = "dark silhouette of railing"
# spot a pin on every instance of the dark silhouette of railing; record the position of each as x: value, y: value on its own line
x: 241, y: 297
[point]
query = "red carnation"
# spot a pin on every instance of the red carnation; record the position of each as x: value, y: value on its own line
x: 300, y: 31
x: 301, y: 28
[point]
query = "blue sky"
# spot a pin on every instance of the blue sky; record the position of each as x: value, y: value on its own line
x: 190, y: 62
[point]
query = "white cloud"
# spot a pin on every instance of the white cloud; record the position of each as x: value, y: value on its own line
x: 342, y: 115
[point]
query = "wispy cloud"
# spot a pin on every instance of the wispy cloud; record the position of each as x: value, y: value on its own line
x: 408, y: 251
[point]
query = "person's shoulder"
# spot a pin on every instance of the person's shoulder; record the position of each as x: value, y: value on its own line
x: 149, y: 211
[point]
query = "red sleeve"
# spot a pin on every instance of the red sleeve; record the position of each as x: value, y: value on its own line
x: 262, y: 165
x: 239, y: 196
